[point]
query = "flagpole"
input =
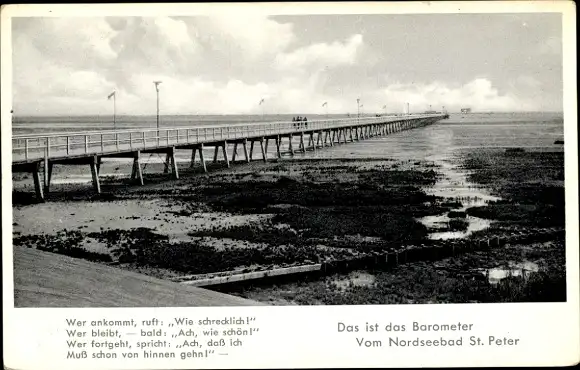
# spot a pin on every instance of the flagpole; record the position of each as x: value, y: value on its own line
x: 115, y: 111
x: 261, y: 104
x: 157, y: 91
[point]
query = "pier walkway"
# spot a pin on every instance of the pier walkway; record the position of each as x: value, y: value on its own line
x: 37, y: 154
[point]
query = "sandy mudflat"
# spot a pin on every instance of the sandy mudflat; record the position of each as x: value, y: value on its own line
x: 96, y: 216
x: 308, y: 210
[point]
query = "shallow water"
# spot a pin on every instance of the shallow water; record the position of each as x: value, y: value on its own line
x: 441, y: 144
x: 354, y: 278
x: 496, y: 274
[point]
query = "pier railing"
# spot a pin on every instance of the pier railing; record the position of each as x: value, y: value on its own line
x: 33, y: 147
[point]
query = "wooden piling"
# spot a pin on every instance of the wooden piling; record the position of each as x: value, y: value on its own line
x: 263, y: 149
x: 278, y: 152
x: 245, y: 145
x: 225, y: 153
x: 251, y: 150
x: 173, y: 163
x: 290, y: 147
x: 37, y: 184
x: 137, y: 172
x: 201, y: 158
x: 235, y: 152
x: 166, y: 164
x: 215, y: 153
x: 192, y: 163
x: 95, y: 175
x: 45, y: 173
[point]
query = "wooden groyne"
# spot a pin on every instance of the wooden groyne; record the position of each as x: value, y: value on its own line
x: 437, y: 250
x: 38, y: 154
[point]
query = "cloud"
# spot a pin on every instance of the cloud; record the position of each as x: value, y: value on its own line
x: 321, y: 54
x: 250, y: 36
x: 75, y: 42
x: 479, y: 94
x: 226, y: 63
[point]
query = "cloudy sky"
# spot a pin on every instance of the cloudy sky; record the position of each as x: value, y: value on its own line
x: 226, y: 65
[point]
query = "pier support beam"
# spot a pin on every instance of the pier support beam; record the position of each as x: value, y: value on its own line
x: 263, y: 149
x: 224, y: 146
x: 137, y: 173
x: 215, y: 153
x: 290, y: 147
x: 170, y: 164
x: 38, y: 188
x: 198, y: 148
x: 251, y: 150
x: 47, y: 175
x: 192, y: 163
x: 278, y: 153
x: 245, y: 146
x: 95, y: 175
x: 235, y: 152
x: 201, y: 158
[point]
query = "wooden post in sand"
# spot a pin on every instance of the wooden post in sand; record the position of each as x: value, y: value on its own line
x: 171, y: 164
x: 245, y: 145
x: 278, y: 153
x: 215, y: 153
x: 225, y: 152
x: 201, y: 158
x: 192, y: 163
x: 37, y: 185
x: 137, y: 172
x: 235, y: 152
x: 251, y: 149
x: 311, y: 141
x: 290, y: 147
x: 95, y: 175
x: 263, y: 149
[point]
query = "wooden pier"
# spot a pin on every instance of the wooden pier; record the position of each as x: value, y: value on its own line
x: 37, y: 154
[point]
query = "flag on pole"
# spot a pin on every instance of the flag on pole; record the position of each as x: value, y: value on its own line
x: 111, y: 95
x: 325, y: 104
x: 261, y: 101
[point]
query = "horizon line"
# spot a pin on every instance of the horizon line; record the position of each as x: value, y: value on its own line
x: 265, y: 114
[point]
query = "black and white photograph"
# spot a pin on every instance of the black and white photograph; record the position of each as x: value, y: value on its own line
x: 275, y: 160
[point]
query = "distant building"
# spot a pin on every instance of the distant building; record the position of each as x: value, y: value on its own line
x: 465, y: 110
